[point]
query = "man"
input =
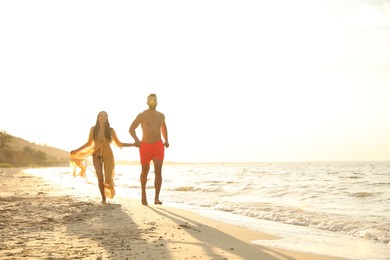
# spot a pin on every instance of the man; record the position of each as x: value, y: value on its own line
x: 151, y: 147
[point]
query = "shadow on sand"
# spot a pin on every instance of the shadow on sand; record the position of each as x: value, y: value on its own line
x: 213, y: 238
x: 114, y: 232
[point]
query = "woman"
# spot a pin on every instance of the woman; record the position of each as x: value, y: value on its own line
x: 100, y: 137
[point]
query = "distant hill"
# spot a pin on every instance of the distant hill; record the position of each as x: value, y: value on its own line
x: 17, y: 144
x: 17, y: 152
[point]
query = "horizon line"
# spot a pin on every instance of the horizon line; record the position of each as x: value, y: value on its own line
x: 130, y: 162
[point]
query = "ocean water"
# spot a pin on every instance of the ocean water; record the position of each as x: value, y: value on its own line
x: 334, y: 208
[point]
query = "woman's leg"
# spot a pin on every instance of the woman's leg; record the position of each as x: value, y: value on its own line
x: 98, y: 164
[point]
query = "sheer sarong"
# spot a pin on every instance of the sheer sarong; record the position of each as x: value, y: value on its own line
x: 80, y: 162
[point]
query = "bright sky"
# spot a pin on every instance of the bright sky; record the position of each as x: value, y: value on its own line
x: 237, y: 80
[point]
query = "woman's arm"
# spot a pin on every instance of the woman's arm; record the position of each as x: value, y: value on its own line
x: 88, y: 143
x: 117, y: 142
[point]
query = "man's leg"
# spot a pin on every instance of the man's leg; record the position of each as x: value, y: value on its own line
x: 157, y: 180
x: 143, y: 179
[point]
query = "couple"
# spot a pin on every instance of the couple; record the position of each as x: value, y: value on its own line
x: 151, y: 148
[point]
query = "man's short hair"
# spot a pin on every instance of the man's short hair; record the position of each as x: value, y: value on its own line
x: 152, y: 95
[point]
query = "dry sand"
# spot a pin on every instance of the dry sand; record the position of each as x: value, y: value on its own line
x: 39, y: 220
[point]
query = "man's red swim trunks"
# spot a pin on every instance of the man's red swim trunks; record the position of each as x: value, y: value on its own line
x: 149, y: 152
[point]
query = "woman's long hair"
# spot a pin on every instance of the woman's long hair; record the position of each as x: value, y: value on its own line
x: 107, y: 128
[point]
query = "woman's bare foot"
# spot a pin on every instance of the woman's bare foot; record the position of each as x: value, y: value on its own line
x: 157, y: 202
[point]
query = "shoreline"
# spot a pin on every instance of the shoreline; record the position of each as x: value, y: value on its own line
x: 43, y: 220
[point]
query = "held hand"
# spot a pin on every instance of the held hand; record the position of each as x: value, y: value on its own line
x: 128, y: 144
x: 137, y: 143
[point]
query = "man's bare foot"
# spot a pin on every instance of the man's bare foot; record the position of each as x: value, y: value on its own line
x: 144, y: 200
x: 157, y: 202
x: 104, y: 202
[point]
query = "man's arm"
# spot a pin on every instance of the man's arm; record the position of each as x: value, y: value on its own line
x: 164, y: 131
x: 133, y: 126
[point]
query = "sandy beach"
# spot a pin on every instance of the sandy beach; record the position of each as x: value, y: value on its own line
x: 40, y: 220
